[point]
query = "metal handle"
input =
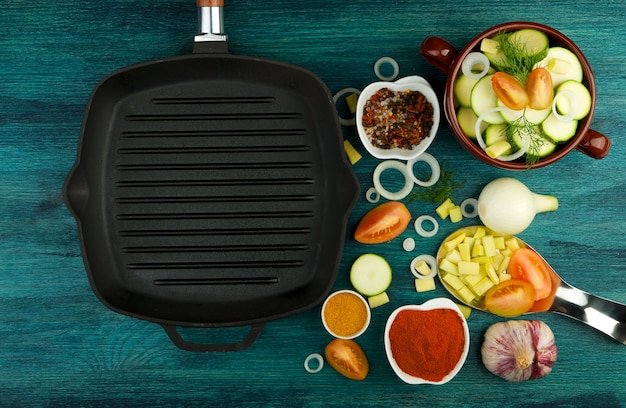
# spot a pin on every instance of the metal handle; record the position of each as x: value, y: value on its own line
x: 176, y: 338
x: 602, y: 314
x: 210, y: 21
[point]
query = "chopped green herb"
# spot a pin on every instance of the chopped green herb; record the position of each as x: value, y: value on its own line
x: 517, y: 62
x: 440, y: 191
x: 521, y: 128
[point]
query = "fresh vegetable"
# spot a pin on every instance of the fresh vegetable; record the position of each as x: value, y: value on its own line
x: 370, y: 274
x: 510, y: 298
x: 527, y: 265
x: 424, y: 285
x: 347, y: 358
x: 383, y: 223
x: 523, y: 94
x: 353, y: 155
x: 539, y: 88
x: 378, y: 300
x: 519, y: 350
x: 507, y: 206
x: 508, y: 90
x: 444, y: 188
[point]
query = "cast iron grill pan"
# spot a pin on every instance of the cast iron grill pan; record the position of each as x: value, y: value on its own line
x: 211, y: 190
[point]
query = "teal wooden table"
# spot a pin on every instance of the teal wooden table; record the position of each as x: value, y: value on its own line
x: 62, y: 347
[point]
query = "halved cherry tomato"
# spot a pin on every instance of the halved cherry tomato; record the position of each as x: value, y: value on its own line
x: 508, y: 89
x: 526, y: 264
x: 539, y: 88
x: 510, y: 298
x: 383, y: 223
x: 347, y: 358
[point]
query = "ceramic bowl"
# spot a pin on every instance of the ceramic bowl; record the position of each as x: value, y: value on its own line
x: 437, y: 303
x: 414, y: 83
x: 446, y: 58
x: 361, y: 300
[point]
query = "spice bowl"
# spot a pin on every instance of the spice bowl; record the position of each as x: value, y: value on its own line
x: 428, y: 343
x: 346, y: 314
x: 411, y: 83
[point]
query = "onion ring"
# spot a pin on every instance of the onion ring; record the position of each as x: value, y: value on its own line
x: 421, y: 231
x: 372, y: 195
x: 351, y: 120
x: 483, y: 145
x: 573, y: 109
x: 320, y: 360
x: 390, y: 61
x: 469, y: 202
x: 434, y: 168
x: 408, y: 244
x: 475, y: 59
x: 401, y: 167
x: 432, y: 263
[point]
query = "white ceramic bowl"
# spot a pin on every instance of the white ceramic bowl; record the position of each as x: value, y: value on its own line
x: 367, y: 318
x: 437, y: 303
x: 414, y: 83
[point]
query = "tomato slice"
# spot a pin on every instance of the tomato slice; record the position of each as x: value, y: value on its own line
x: 526, y: 264
x: 508, y: 89
x: 540, y: 89
x: 347, y: 358
x: 383, y: 223
x: 510, y: 298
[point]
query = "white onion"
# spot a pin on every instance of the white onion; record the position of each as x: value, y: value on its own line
x: 434, y: 168
x: 390, y: 61
x: 320, y: 363
x: 470, y: 202
x: 408, y: 244
x: 372, y: 195
x: 402, y: 168
x: 573, y: 108
x: 479, y: 137
x: 421, y: 231
x: 475, y: 59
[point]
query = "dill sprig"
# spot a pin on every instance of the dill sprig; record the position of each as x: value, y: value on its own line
x: 521, y: 128
x: 437, y: 193
x: 517, y: 62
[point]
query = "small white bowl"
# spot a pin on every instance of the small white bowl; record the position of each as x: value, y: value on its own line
x: 367, y: 311
x: 414, y: 83
x: 437, y: 303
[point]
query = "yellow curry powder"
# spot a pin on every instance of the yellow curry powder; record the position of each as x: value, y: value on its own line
x: 345, y: 314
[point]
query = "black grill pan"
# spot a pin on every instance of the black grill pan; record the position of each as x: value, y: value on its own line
x: 211, y: 190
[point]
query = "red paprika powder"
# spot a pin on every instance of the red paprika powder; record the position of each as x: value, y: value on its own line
x: 427, y: 343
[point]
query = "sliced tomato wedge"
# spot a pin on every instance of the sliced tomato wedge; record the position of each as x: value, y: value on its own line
x: 508, y: 89
x: 527, y: 265
x: 347, y: 358
x: 383, y: 223
x: 510, y: 298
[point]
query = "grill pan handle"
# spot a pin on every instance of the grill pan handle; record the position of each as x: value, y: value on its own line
x: 176, y: 338
x: 210, y: 37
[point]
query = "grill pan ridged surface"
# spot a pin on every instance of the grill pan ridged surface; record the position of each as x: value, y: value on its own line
x: 211, y: 191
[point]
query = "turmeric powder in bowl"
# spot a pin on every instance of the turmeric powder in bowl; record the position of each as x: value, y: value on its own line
x: 345, y: 314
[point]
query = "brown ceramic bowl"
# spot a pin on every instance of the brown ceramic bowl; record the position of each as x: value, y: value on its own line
x: 446, y: 58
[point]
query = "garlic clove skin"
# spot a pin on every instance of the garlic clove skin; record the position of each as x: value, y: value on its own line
x: 519, y: 350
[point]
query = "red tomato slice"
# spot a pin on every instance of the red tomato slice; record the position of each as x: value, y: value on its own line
x: 526, y: 264
x: 347, y: 358
x: 540, y: 89
x: 510, y: 298
x: 383, y: 223
x: 509, y: 91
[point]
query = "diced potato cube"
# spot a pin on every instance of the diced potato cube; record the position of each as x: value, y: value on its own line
x: 499, y: 242
x: 471, y: 280
x: 466, y: 294
x: 378, y: 300
x: 466, y: 311
x: 480, y: 232
x: 489, y: 45
x: 478, y: 250
x: 504, y: 277
x: 497, y: 260
x: 351, y: 101
x: 444, y: 208
x: 422, y: 268
x: 492, y: 274
x: 353, y: 155
x: 468, y: 268
x: 482, y: 286
x: 558, y: 65
x: 512, y: 244
x: 504, y: 264
x: 424, y: 285
x: 456, y: 214
x: 452, y: 280
x: 454, y: 242
x: 498, y: 148
x: 481, y: 259
x: 465, y: 251
x: 447, y: 266
x: 454, y: 256
x: 489, y: 245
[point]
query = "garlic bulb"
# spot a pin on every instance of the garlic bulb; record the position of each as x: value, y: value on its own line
x: 519, y: 350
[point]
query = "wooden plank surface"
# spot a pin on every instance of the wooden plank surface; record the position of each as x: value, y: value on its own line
x: 62, y: 347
